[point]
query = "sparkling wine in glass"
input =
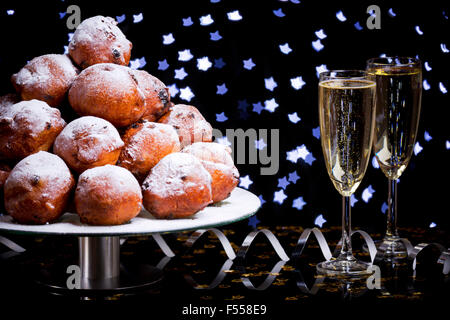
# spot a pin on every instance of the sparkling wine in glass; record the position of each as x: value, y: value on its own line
x: 346, y: 112
x: 398, y: 101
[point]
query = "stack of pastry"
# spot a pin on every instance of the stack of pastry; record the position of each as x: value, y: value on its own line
x: 128, y: 145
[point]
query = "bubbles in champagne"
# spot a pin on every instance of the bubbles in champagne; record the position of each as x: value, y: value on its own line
x: 346, y: 109
x: 397, y: 116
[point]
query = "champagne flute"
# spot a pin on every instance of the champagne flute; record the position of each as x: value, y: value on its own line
x: 398, y: 102
x: 346, y: 112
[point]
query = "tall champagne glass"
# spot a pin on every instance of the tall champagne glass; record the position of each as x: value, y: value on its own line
x: 398, y: 102
x: 346, y: 112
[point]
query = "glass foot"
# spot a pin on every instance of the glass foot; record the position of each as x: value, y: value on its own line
x: 346, y: 268
x: 392, y: 247
x: 389, y: 248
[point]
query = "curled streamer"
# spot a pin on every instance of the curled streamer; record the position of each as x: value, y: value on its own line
x: 443, y: 259
x: 163, y: 262
x: 301, y: 283
x: 369, y: 242
x: 216, y: 281
x: 267, y: 281
x: 272, y: 239
x: 15, y: 248
x: 219, y: 234
x: 11, y: 245
x: 303, y: 240
x: 240, y: 254
x: 163, y: 245
x: 367, y: 239
x: 413, y: 252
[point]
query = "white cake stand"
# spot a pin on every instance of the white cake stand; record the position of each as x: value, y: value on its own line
x: 99, y: 246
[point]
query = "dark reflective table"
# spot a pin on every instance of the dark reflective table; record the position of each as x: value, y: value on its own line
x: 201, y: 274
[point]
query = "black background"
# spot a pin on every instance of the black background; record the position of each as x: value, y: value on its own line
x: 36, y: 28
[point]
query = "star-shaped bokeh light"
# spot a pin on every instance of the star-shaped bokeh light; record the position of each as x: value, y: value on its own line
x: 279, y: 196
x: 245, y: 182
x: 298, y: 203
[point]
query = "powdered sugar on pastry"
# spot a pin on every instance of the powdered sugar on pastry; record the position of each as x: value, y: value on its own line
x: 43, y: 166
x: 123, y: 180
x: 174, y: 174
x: 8, y: 100
x: 92, y: 135
x: 35, y: 115
x: 151, y: 132
x: 40, y: 69
x: 99, y: 40
x: 211, y: 151
x: 45, y: 78
x: 108, y: 91
x: 190, y: 124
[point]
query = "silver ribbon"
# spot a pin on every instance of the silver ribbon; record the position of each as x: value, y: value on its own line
x: 413, y: 252
x: 241, y: 255
x: 217, y: 280
x: 272, y: 239
x: 267, y: 281
x: 226, y: 245
x: 15, y: 248
x: 369, y: 242
x: 11, y: 245
x: 163, y: 245
x: 367, y: 239
x: 163, y: 262
x: 301, y: 283
x: 272, y: 275
x: 303, y: 240
x: 219, y: 234
x: 444, y: 258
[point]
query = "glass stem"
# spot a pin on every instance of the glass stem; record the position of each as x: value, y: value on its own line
x: 391, y: 230
x: 346, y: 249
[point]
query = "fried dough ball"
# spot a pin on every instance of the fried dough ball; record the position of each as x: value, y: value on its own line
x: 108, y: 91
x: 99, y: 40
x: 216, y: 158
x: 190, y: 124
x: 107, y: 195
x: 38, y: 188
x: 146, y: 143
x: 4, y: 173
x: 46, y: 78
x: 28, y: 127
x: 8, y: 100
x: 5, y: 170
x: 177, y: 187
x: 157, y: 97
x: 88, y: 142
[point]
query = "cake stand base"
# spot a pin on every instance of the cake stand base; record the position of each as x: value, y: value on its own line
x: 99, y: 272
